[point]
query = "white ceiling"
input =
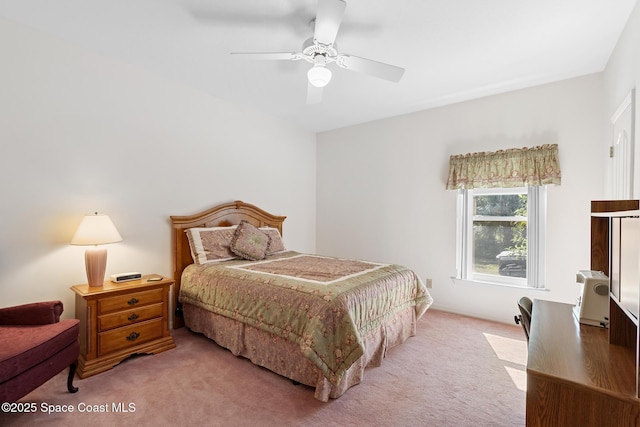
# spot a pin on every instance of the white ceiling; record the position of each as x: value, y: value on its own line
x: 452, y: 50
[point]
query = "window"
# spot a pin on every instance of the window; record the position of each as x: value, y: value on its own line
x: 501, y: 235
x: 502, y: 213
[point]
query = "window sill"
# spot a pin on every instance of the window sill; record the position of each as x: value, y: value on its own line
x: 467, y: 282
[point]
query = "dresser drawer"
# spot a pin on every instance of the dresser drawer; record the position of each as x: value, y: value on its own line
x: 131, y: 300
x: 129, y: 336
x: 129, y: 317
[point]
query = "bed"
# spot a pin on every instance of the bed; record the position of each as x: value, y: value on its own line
x: 317, y: 320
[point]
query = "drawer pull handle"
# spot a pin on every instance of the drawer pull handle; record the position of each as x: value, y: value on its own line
x: 133, y: 336
x: 133, y: 301
x: 133, y: 317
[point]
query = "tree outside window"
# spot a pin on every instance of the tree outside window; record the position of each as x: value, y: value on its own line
x: 500, y: 234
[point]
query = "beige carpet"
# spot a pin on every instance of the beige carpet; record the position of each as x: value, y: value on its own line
x: 457, y: 371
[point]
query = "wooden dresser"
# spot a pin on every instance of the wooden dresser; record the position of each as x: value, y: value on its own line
x: 118, y: 320
x: 581, y: 375
x: 574, y: 376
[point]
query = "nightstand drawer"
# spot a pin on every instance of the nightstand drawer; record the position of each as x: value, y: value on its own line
x: 131, y: 300
x: 129, y: 336
x: 129, y: 317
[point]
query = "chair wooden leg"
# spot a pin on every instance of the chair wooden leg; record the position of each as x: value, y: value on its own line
x: 72, y: 373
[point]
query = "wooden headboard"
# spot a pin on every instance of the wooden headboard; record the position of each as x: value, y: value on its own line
x: 218, y: 216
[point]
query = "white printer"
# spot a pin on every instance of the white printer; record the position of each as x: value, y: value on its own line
x: 592, y: 307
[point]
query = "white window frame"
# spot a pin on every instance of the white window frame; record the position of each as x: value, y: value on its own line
x: 536, y: 236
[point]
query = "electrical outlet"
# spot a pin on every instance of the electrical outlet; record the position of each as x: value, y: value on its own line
x: 428, y: 283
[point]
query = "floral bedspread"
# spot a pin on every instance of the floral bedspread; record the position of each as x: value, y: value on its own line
x: 323, y: 304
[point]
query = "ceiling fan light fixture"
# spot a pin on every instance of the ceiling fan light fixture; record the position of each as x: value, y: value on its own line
x: 319, y: 75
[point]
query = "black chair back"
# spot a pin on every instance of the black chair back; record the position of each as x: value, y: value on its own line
x: 525, y: 305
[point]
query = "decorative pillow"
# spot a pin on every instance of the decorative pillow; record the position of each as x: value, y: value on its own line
x: 211, y: 244
x: 276, y: 245
x: 250, y: 242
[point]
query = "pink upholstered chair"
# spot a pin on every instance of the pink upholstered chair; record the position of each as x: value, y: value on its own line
x: 35, y: 345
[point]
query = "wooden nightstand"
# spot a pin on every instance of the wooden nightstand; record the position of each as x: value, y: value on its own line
x: 118, y: 320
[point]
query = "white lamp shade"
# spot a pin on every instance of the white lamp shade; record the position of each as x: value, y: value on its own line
x: 319, y: 76
x: 96, y: 230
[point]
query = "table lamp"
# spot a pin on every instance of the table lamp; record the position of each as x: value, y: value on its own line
x: 95, y: 230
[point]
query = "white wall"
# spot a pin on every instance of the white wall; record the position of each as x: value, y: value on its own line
x: 620, y: 76
x: 381, y: 187
x: 80, y: 133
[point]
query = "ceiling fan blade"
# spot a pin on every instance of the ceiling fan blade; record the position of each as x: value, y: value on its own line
x: 328, y: 20
x: 268, y: 56
x: 314, y: 94
x: 371, y: 67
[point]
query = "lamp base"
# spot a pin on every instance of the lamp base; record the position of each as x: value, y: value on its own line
x: 95, y: 260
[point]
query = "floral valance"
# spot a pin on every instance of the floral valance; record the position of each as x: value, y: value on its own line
x: 514, y: 167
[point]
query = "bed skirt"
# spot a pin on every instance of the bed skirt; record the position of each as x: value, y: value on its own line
x: 285, y: 358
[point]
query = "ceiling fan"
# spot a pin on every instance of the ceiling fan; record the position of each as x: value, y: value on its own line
x: 321, y: 50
